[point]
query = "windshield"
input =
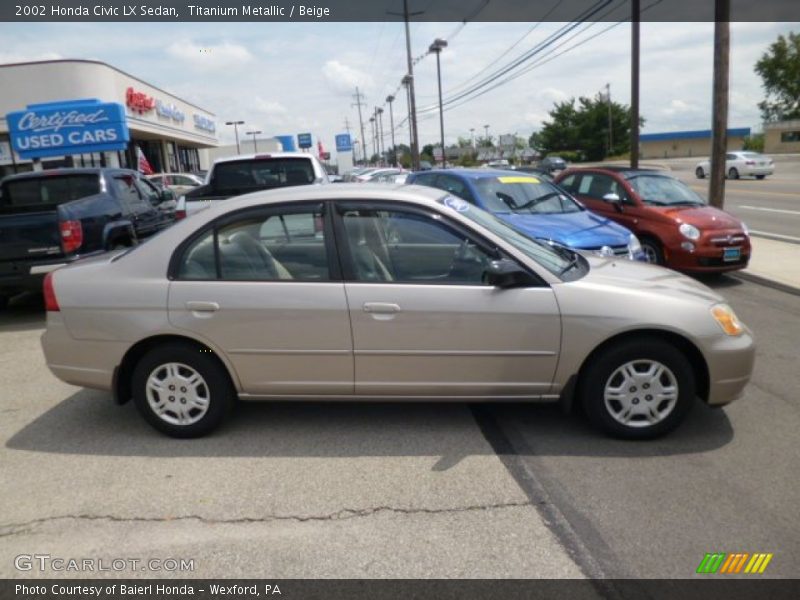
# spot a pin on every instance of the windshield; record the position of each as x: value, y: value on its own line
x: 664, y: 191
x: 556, y: 260
x: 524, y: 195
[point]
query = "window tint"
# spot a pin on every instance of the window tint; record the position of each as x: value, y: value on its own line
x: 425, y: 179
x: 411, y: 248
x: 731, y: 157
x: 596, y: 186
x: 262, y: 173
x: 273, y: 246
x: 39, y: 192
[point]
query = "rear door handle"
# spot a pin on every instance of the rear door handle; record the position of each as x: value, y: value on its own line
x: 384, y: 308
x: 197, y: 306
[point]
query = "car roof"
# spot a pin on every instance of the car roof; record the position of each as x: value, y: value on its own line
x: 623, y: 171
x: 65, y: 171
x: 476, y: 173
x: 264, y: 156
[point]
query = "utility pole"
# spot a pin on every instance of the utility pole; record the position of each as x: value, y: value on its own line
x: 635, y: 19
x: 472, y: 133
x: 411, y: 97
x: 436, y: 47
x: 381, y: 143
x: 407, y: 83
x: 486, y: 133
x: 719, y: 134
x: 358, y: 96
x: 372, y: 131
x: 610, y: 121
x: 389, y: 100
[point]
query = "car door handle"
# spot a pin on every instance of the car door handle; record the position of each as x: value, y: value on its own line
x: 196, y: 306
x: 384, y: 308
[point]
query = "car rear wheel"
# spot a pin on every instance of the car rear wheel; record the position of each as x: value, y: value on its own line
x: 181, y: 390
x: 638, y: 389
x: 700, y: 173
x: 733, y: 173
x: 652, y: 251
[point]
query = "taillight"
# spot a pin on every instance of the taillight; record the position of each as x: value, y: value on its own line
x: 71, y: 235
x: 50, y: 300
x: 180, y: 214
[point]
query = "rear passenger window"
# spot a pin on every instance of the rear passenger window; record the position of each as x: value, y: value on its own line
x: 271, y: 246
x: 568, y: 183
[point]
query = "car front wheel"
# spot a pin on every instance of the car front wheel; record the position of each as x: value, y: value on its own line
x: 638, y: 389
x: 700, y: 173
x: 182, y: 390
x: 733, y: 173
x: 652, y: 251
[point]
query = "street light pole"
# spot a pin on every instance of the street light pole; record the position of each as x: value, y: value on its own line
x: 255, y: 142
x: 610, y: 121
x: 381, y: 145
x: 436, y: 47
x: 486, y: 133
x: 372, y: 125
x: 236, y: 132
x: 389, y: 100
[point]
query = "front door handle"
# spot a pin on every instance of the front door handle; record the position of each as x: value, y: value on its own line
x: 384, y: 308
x: 197, y: 306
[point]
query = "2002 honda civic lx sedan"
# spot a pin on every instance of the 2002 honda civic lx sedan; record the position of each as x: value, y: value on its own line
x: 375, y: 292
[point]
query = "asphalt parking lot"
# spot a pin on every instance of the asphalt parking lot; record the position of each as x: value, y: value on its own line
x: 391, y: 490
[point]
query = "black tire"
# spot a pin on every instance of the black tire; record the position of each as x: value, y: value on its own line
x: 217, y: 385
x: 652, y: 250
x: 733, y: 173
x: 700, y: 173
x: 760, y: 176
x: 603, y: 366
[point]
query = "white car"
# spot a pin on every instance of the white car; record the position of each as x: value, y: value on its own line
x: 180, y: 183
x: 740, y: 164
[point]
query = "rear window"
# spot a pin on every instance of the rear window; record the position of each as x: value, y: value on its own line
x: 37, y: 193
x: 243, y: 175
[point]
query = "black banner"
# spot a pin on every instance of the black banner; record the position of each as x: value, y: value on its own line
x: 400, y: 589
x: 372, y: 10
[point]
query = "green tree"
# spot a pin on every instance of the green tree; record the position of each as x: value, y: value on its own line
x: 754, y: 142
x: 584, y: 128
x: 779, y: 68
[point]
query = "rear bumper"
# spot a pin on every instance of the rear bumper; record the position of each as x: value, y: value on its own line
x: 27, y: 276
x: 756, y: 171
x: 708, y: 258
x: 79, y: 362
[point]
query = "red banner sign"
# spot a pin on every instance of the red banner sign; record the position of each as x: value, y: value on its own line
x: 139, y: 101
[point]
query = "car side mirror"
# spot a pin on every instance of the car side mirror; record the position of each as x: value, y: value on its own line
x: 505, y: 273
x: 614, y: 199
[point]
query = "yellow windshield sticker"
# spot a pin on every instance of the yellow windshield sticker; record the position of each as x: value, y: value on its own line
x: 517, y: 179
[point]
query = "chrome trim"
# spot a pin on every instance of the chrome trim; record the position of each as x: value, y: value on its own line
x: 271, y: 352
x: 41, y: 269
x: 454, y: 353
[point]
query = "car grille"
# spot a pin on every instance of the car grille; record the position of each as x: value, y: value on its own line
x: 617, y: 250
x: 732, y: 239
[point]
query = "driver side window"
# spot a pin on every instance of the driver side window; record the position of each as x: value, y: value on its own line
x: 405, y: 247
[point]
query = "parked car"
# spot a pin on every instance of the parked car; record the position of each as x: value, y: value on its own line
x: 230, y: 304
x: 535, y: 171
x: 374, y: 174
x: 247, y: 173
x: 180, y: 183
x: 740, y: 164
x: 52, y: 218
x: 677, y: 228
x: 550, y: 164
x: 536, y: 207
x: 387, y: 176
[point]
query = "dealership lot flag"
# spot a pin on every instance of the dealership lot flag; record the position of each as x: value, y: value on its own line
x: 144, y: 165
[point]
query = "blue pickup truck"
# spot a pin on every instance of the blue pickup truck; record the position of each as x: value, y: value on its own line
x: 51, y: 218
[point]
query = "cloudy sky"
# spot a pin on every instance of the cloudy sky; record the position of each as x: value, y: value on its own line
x: 294, y: 77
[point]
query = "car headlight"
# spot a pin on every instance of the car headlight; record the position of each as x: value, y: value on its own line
x: 727, y: 319
x: 745, y: 229
x: 634, y: 246
x: 689, y: 231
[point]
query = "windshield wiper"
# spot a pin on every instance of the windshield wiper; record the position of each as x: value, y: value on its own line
x: 535, y: 201
x: 571, y: 265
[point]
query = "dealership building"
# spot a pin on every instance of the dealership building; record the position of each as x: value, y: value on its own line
x: 62, y: 113
x: 676, y: 144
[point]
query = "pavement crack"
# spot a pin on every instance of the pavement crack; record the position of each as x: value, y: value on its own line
x: 12, y: 529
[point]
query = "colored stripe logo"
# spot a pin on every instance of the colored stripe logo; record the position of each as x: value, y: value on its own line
x: 735, y: 562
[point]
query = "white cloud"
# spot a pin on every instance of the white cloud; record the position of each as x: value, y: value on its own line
x: 221, y: 56
x: 343, y: 78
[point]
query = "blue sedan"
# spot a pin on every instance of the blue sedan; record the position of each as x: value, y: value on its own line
x: 538, y: 208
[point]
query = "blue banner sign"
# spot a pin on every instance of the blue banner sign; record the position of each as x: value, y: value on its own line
x: 69, y: 127
x: 343, y: 142
x: 304, y: 140
x: 287, y: 142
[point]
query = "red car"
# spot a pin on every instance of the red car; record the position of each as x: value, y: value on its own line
x: 675, y: 226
